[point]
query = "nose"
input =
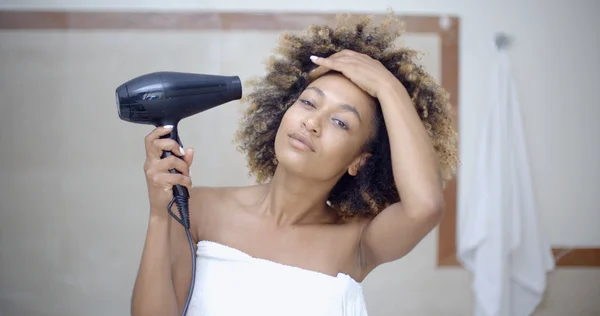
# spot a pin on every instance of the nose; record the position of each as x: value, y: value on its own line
x: 312, y: 125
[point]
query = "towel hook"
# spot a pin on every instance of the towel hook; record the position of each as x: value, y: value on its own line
x: 502, y: 41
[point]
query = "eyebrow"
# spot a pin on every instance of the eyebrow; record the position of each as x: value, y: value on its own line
x: 346, y: 107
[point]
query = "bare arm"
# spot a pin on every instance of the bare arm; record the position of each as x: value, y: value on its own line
x: 165, y: 272
x: 400, y: 227
x: 153, y: 292
x: 161, y: 287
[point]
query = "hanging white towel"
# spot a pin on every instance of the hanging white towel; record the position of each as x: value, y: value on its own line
x: 500, y: 241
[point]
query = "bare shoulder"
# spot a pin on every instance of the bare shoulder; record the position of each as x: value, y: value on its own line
x: 209, y: 204
x: 207, y: 199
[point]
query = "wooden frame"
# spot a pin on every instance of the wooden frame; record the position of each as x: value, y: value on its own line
x: 67, y: 20
x: 448, y: 32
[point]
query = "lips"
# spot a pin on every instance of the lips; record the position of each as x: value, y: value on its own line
x: 303, y: 139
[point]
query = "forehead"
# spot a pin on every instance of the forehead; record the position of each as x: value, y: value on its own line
x: 340, y: 89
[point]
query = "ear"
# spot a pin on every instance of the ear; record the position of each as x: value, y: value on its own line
x: 358, y: 163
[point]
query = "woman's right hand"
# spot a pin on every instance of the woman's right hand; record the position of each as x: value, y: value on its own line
x: 159, y: 180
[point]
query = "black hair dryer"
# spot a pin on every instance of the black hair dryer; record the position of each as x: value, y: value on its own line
x: 165, y: 98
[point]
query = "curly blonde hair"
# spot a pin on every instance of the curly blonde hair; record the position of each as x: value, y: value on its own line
x: 287, y: 76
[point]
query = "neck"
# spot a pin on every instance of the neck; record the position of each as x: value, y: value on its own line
x: 293, y: 200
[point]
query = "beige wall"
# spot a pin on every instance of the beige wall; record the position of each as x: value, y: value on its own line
x: 77, y: 254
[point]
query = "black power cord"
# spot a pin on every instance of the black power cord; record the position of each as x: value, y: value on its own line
x: 182, y: 201
x: 181, y: 198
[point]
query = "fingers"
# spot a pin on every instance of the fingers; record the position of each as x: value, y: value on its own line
x: 157, y: 133
x: 351, y: 64
x: 346, y: 53
x: 323, y: 62
x: 318, y: 72
x: 164, y: 144
x: 340, y: 63
x: 155, y: 145
x: 189, y: 156
x: 168, y: 163
x: 166, y: 181
x: 336, y: 60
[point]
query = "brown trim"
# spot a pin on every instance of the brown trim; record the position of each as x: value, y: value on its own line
x: 28, y: 20
x: 450, y: 81
x: 577, y: 257
x: 70, y: 20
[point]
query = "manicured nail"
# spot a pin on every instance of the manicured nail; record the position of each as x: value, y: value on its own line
x: 168, y: 126
x: 181, y: 150
x: 313, y: 58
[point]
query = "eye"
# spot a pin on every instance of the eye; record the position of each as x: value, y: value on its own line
x: 308, y: 103
x: 340, y: 124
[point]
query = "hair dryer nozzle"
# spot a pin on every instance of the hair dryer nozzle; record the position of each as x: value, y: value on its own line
x: 164, y: 98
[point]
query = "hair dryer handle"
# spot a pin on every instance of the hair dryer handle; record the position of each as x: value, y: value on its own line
x: 178, y: 190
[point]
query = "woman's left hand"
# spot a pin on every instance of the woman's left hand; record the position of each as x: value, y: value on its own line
x: 367, y: 73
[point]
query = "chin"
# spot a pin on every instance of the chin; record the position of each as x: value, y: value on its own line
x: 291, y: 159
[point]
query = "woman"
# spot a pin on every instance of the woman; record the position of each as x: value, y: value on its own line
x: 351, y: 143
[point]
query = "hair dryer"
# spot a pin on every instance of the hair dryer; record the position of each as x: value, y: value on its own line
x: 165, y: 98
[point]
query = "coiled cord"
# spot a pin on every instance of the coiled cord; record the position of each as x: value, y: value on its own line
x: 184, y: 219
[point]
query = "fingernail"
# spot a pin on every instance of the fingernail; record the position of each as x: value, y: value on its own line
x: 168, y: 126
x: 181, y: 150
x: 313, y: 57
